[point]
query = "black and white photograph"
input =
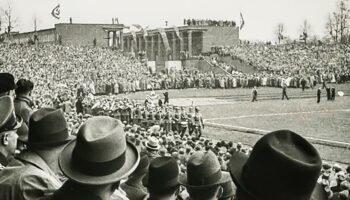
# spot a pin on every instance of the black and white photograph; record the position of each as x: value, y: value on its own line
x: 174, y: 100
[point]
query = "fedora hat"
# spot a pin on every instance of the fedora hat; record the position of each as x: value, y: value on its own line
x: 100, y: 154
x: 203, y: 170
x: 48, y: 127
x: 8, y: 119
x: 152, y: 143
x: 7, y: 82
x: 162, y: 174
x: 228, y: 187
x: 282, y: 165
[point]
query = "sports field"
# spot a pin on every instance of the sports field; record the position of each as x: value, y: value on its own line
x: 327, y: 121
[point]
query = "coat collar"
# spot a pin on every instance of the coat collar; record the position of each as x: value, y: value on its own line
x: 25, y: 99
x: 35, y: 160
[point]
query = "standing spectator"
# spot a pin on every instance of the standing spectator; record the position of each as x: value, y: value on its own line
x: 23, y: 106
x: 318, y: 95
x: 303, y: 83
x: 282, y: 165
x: 35, y: 172
x: 166, y: 97
x: 152, y: 147
x: 162, y: 180
x: 97, y: 161
x: 8, y: 127
x: 284, y: 91
x: 328, y: 90
x: 333, y: 93
x: 255, y: 94
x: 204, y: 177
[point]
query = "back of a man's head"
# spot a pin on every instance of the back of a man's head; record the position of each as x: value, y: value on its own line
x: 24, y: 87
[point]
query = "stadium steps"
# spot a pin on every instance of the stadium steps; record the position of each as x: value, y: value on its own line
x: 240, y: 66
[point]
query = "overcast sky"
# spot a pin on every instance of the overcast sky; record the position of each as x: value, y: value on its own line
x: 261, y: 16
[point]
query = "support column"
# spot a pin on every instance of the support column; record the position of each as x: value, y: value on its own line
x: 190, y: 43
x: 152, y: 48
x: 132, y: 41
x: 128, y: 44
x: 114, y: 38
x: 174, y: 46
x: 107, y: 39
x: 121, y: 40
x: 182, y: 42
x: 146, y: 44
x: 159, y: 46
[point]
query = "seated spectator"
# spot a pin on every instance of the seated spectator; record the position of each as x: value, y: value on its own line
x: 162, y: 179
x: 282, y: 165
x: 35, y: 172
x: 8, y: 127
x: 96, y: 161
x: 204, y: 177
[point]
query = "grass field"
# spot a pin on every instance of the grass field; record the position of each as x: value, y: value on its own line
x: 328, y: 120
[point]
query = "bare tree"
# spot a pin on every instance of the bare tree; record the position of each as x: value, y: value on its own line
x: 305, y: 30
x: 10, y: 20
x: 279, y: 32
x: 338, y: 23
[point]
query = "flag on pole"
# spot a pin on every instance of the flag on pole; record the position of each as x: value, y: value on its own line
x: 56, y: 12
x: 165, y: 39
x: 242, y: 22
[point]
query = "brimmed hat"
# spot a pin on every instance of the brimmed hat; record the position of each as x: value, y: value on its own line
x: 228, y: 187
x: 282, y: 165
x: 7, y: 82
x: 162, y: 174
x: 48, y: 127
x: 203, y: 170
x: 100, y: 154
x: 152, y: 143
x: 8, y: 119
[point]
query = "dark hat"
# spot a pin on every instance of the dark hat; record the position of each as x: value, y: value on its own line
x: 100, y: 154
x: 162, y: 174
x: 228, y: 187
x: 48, y: 127
x: 8, y: 119
x: 282, y: 165
x: 203, y: 170
x: 142, y: 167
x: 7, y: 82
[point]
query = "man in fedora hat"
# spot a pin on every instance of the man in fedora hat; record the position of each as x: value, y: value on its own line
x: 96, y: 161
x: 133, y: 186
x: 7, y: 84
x: 35, y: 172
x: 8, y: 128
x: 162, y: 179
x: 282, y: 165
x: 152, y: 147
x: 204, y: 177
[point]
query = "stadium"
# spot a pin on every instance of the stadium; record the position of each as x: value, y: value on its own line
x: 87, y: 105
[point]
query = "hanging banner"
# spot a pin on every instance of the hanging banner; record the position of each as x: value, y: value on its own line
x: 165, y: 39
x: 177, y: 32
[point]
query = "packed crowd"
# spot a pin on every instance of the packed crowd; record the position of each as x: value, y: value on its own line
x: 208, y: 22
x: 319, y: 62
x: 142, y: 156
